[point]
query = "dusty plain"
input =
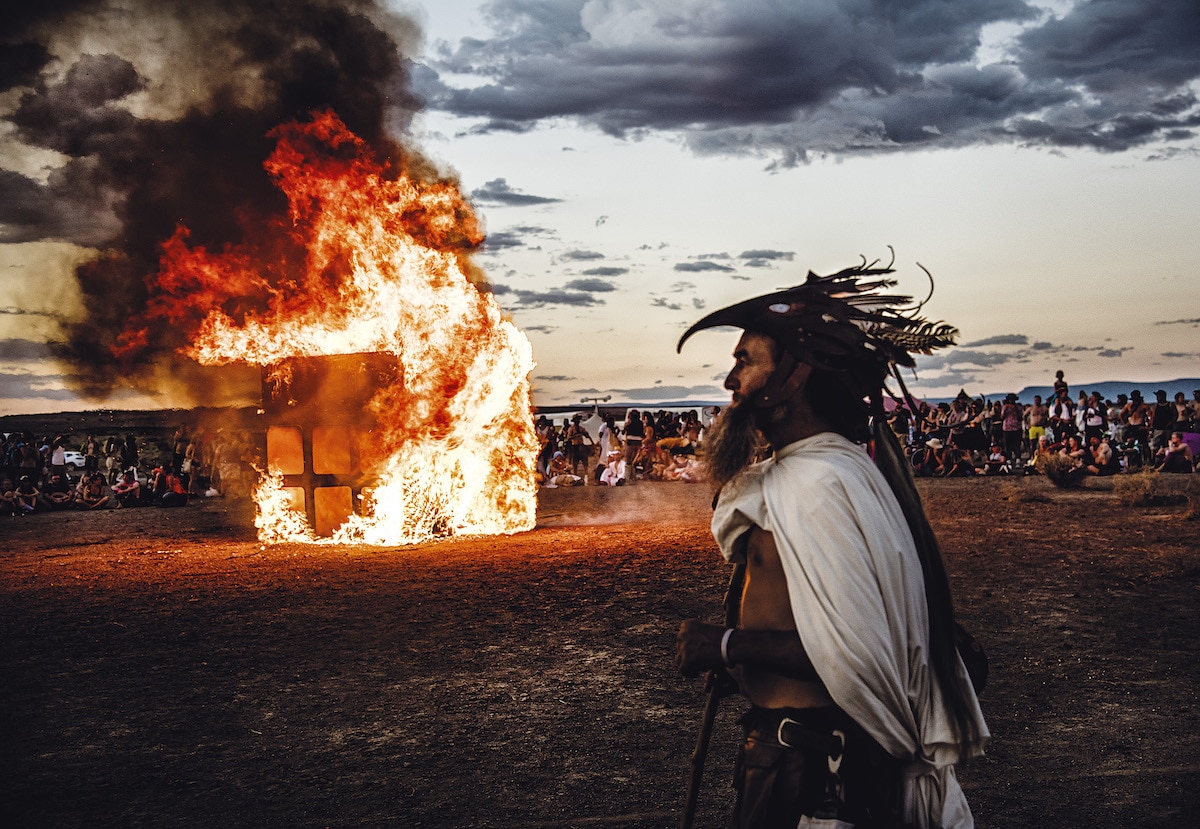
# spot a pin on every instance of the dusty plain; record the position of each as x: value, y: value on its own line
x: 163, y: 668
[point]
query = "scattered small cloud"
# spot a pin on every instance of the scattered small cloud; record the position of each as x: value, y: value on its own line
x: 498, y: 191
x: 702, y: 266
x: 598, y: 286
x: 663, y: 302
x: 1194, y: 322
x: 605, y: 270
x: 576, y: 255
x: 18, y: 349
x: 999, y: 339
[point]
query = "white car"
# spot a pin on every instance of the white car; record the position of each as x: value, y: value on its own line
x: 74, y: 460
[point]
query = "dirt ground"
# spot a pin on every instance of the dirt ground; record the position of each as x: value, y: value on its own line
x: 162, y: 668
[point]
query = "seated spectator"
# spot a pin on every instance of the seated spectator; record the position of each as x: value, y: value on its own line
x: 1176, y: 456
x: 560, y: 474
x: 27, y: 496
x: 1132, y: 454
x: 685, y: 468
x: 927, y: 460
x: 92, y: 492
x: 1104, y: 461
x: 997, y: 462
x: 1077, y: 452
x: 614, y: 470
x: 8, y: 497
x: 174, y: 492
x: 957, y: 463
x: 128, y: 490
x: 58, y: 492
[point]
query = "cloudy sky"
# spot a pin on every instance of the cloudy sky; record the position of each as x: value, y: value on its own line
x: 638, y: 163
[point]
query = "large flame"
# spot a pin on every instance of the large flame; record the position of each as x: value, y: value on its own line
x: 382, y: 269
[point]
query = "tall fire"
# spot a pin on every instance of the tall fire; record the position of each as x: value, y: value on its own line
x: 438, y: 439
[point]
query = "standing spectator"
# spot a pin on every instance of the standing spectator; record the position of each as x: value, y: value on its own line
x: 112, y: 459
x: 1039, y: 417
x: 58, y: 457
x: 1062, y: 417
x: 1162, y: 420
x: 91, y: 455
x: 1136, y: 417
x: 1116, y: 429
x: 1095, y: 416
x: 1060, y: 386
x: 634, y: 432
x: 610, y: 438
x: 579, y: 444
x: 129, y: 453
x: 1183, y: 414
x: 178, y: 449
x: 1012, y: 416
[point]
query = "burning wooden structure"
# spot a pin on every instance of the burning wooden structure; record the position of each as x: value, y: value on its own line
x: 320, y: 426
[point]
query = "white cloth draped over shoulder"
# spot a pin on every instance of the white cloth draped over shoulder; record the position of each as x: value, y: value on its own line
x: 858, y: 599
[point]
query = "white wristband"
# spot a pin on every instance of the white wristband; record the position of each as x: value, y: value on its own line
x: 725, y: 647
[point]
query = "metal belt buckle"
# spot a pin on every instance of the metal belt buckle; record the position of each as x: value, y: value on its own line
x: 779, y: 732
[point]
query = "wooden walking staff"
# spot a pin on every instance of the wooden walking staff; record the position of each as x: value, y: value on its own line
x: 715, y: 684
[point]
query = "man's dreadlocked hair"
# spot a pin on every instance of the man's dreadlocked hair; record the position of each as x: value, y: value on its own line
x: 854, y: 336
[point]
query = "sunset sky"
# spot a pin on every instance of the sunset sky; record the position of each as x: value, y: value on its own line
x: 638, y: 163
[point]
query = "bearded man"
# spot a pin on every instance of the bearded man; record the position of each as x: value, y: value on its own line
x: 845, y: 649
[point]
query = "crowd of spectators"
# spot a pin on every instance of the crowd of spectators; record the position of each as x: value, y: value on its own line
x: 972, y: 436
x: 50, y: 473
x: 646, y: 446
x: 966, y: 436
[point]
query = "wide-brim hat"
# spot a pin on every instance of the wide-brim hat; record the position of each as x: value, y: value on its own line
x: 933, y: 443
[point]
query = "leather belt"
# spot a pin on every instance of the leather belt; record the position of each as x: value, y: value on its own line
x: 797, y: 735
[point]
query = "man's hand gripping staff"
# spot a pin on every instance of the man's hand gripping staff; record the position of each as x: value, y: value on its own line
x: 692, y: 652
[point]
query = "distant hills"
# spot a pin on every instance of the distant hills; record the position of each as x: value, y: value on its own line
x: 112, y: 421
x: 1109, y: 389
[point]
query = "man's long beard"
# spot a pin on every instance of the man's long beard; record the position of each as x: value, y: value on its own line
x: 736, y: 439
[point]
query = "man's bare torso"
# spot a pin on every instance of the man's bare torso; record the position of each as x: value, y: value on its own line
x: 767, y: 606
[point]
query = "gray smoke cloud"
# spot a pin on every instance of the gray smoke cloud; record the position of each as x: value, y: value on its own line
x: 156, y: 114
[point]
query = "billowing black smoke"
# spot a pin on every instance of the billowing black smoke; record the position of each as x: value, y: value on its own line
x: 168, y: 127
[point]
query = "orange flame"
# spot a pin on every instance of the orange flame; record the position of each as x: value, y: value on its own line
x: 382, y: 269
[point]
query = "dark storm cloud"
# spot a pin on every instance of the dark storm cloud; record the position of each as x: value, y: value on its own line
x: 743, y: 76
x: 497, y: 191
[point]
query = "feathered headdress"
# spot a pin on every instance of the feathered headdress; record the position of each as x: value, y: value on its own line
x: 843, y: 322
